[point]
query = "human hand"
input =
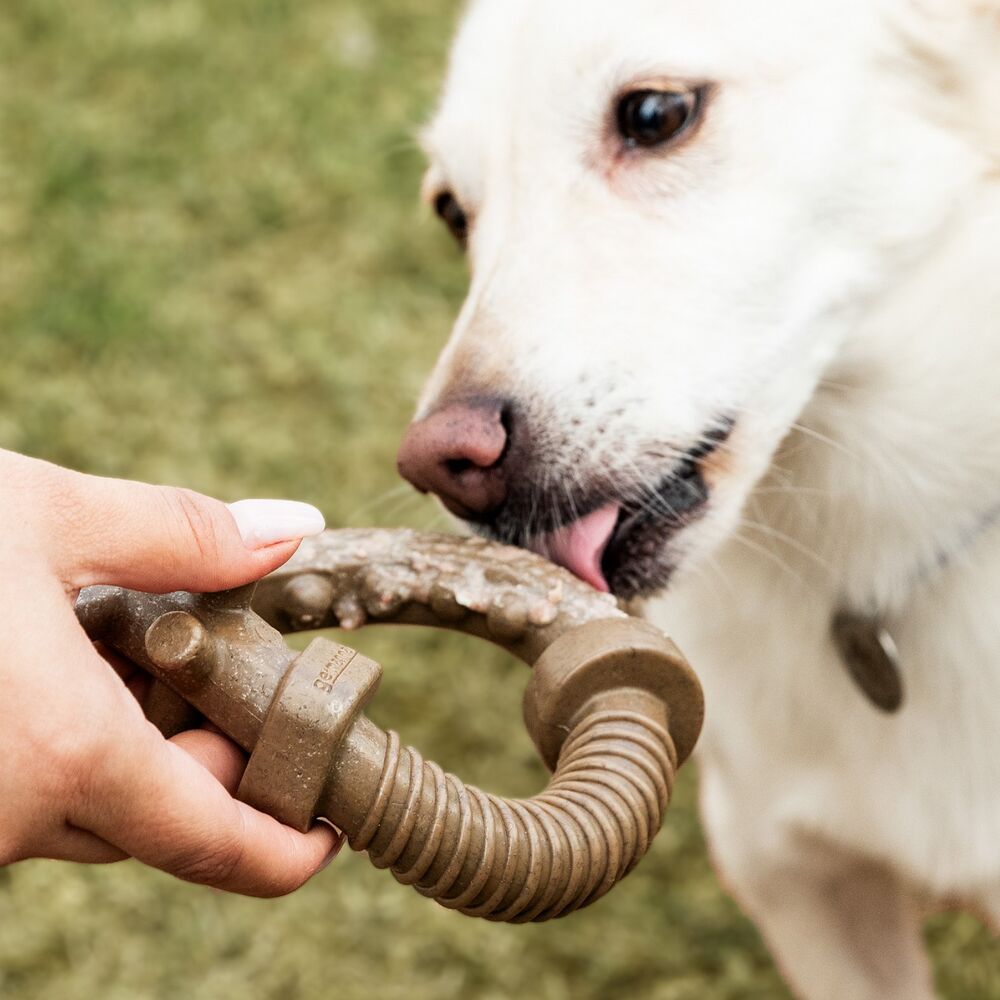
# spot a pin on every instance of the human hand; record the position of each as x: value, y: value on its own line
x: 83, y: 776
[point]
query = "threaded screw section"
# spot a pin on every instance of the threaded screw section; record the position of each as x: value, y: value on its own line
x: 526, y: 860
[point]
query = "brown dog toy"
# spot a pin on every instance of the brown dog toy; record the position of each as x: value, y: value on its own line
x: 612, y: 707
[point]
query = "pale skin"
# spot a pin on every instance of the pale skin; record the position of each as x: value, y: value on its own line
x: 83, y: 776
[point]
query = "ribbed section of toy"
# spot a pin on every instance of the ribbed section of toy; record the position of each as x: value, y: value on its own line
x: 526, y: 860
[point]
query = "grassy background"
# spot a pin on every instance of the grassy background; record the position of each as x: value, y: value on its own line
x: 213, y: 272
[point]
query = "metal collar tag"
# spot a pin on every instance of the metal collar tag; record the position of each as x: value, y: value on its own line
x: 872, y: 659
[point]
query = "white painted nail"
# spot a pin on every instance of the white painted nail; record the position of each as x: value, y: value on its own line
x: 267, y: 522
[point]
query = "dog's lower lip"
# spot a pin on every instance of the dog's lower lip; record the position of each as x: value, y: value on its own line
x: 633, y: 561
x: 628, y: 521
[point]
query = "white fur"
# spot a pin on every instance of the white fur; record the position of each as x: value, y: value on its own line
x: 822, y: 258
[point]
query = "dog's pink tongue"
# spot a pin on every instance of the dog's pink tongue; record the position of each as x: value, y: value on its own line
x: 580, y: 546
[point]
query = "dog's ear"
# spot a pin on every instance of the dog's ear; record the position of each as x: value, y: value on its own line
x: 955, y: 45
x: 955, y: 8
x: 953, y: 19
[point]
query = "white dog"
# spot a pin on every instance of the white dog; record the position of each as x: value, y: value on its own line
x: 732, y: 347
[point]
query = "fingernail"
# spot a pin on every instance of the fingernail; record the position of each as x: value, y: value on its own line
x: 267, y: 522
x: 328, y: 860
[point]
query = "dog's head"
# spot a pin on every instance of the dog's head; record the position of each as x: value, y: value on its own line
x: 674, y: 211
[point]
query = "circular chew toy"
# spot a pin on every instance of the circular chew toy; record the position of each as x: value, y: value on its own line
x: 612, y: 707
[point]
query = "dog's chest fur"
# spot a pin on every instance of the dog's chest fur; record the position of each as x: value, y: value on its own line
x: 799, y: 750
x: 882, y: 501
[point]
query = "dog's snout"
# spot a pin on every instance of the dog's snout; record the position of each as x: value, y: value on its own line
x: 459, y: 454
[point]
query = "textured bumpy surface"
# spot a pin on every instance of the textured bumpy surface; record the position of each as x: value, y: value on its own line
x: 611, y: 705
x: 354, y: 578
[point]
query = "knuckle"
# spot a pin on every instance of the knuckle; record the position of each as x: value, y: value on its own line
x: 228, y: 863
x: 216, y: 864
x: 47, y: 498
x: 195, y: 515
x: 68, y: 513
x: 21, y: 473
x: 78, y: 755
x: 86, y: 738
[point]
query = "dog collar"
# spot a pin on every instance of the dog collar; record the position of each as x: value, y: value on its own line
x: 866, y: 646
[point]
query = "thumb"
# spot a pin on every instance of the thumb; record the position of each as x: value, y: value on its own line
x: 160, y: 539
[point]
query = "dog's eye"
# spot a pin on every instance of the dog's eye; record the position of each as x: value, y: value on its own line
x: 447, y: 206
x: 649, y: 118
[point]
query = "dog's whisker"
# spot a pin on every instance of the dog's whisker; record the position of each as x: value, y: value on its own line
x: 769, y: 555
x: 403, y: 506
x: 792, y: 543
x: 372, y: 507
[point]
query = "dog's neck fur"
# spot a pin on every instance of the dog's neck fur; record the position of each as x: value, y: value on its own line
x: 890, y: 476
x: 953, y: 46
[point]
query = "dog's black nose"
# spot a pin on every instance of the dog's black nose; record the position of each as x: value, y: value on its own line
x: 459, y: 454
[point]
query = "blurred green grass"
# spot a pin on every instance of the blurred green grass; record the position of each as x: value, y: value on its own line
x: 213, y: 272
